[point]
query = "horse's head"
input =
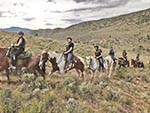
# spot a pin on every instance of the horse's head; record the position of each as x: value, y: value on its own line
x: 53, y: 60
x: 88, y: 61
x: 43, y: 58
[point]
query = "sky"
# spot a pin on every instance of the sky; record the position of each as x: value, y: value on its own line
x: 42, y: 14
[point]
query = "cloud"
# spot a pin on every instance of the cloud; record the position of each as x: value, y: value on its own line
x: 63, y: 13
x: 55, y: 11
x: 88, y: 1
x: 72, y: 21
x: 1, y: 13
x: 50, y: 0
x: 7, y: 14
x: 29, y: 19
x: 48, y: 24
x: 18, y: 4
x: 102, y: 4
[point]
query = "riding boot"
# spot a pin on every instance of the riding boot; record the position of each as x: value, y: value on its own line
x: 13, y: 63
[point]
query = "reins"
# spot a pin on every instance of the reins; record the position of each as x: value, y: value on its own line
x: 60, y: 59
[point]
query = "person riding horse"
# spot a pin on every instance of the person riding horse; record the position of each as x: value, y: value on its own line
x: 112, y: 54
x: 69, y: 53
x: 17, y: 49
x: 124, y: 55
x: 99, y: 57
x: 138, y: 59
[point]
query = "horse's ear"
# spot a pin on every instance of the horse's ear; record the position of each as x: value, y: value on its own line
x: 55, y: 58
x: 50, y: 59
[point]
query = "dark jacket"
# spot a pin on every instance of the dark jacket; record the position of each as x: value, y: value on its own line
x: 71, y: 44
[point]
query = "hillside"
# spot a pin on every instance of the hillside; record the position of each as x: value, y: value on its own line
x: 126, y: 92
x: 84, y: 31
x: 130, y: 31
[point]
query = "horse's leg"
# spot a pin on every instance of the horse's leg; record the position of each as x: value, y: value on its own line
x: 94, y: 74
x: 116, y: 66
x: 78, y: 71
x: 7, y: 74
x: 142, y: 65
x: 128, y: 63
x: 83, y: 75
x: 100, y: 75
x: 19, y: 72
x: 82, y: 70
x: 35, y: 73
x: 40, y: 72
x: 51, y: 72
x: 110, y: 70
x: 62, y: 72
x: 33, y: 70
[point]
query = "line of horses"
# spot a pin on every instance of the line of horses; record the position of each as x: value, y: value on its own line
x: 37, y: 64
x: 58, y: 64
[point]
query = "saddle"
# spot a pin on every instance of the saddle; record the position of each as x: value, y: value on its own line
x: 24, y: 55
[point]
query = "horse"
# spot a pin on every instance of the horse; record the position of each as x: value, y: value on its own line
x: 136, y: 64
x: 31, y: 63
x: 122, y: 62
x: 58, y: 62
x: 109, y: 65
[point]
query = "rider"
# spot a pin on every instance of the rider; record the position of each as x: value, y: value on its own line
x: 18, y: 48
x: 138, y: 58
x: 124, y: 55
x: 112, y: 54
x: 99, y: 57
x: 69, y: 53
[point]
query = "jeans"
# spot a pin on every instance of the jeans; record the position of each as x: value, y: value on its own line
x: 101, y: 62
x: 69, y: 58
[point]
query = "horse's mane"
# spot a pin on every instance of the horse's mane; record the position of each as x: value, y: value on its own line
x: 54, y: 54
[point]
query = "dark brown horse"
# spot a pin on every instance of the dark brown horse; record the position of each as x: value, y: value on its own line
x: 136, y: 64
x: 58, y: 63
x: 123, y: 63
x: 32, y: 63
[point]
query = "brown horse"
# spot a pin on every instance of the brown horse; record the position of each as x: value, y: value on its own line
x: 58, y: 63
x: 137, y: 65
x: 122, y: 62
x: 32, y: 63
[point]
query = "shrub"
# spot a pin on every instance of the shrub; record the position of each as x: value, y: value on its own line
x: 120, y: 73
x: 7, y: 102
x: 71, y: 83
x: 87, y: 90
x: 35, y: 106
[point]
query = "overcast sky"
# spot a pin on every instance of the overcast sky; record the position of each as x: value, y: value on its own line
x: 37, y: 14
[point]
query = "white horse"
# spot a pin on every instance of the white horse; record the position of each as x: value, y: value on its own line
x: 58, y: 62
x: 93, y: 65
